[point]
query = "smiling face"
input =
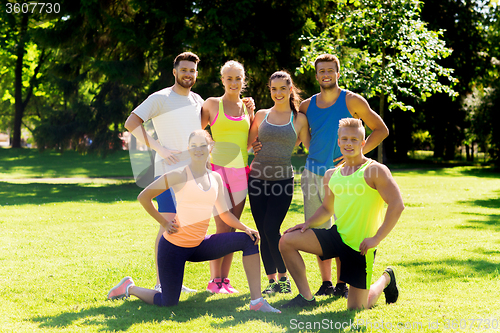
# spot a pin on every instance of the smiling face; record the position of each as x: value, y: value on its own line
x: 199, y: 148
x: 327, y: 74
x: 233, y: 79
x: 280, y: 91
x: 351, y: 141
x: 185, y: 73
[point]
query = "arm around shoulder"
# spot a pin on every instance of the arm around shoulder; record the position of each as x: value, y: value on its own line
x: 359, y: 108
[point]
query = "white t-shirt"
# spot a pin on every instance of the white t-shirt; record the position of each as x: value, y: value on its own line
x: 174, y: 118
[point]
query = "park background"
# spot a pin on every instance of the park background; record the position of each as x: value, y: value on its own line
x: 71, y: 227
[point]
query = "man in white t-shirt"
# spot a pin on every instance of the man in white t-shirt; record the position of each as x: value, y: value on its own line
x: 175, y: 113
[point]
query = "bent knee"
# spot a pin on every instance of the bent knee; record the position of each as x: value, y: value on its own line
x: 285, y: 241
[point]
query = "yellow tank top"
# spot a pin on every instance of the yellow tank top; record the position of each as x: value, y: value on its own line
x: 357, y: 206
x: 231, y: 136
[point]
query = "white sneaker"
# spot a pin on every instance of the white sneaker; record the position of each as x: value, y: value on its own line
x: 188, y: 290
x: 184, y: 289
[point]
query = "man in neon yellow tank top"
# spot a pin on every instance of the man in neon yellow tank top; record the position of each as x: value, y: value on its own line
x: 355, y: 192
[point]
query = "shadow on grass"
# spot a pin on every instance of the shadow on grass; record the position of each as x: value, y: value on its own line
x: 453, y: 268
x: 482, y: 220
x: 223, y: 313
x: 449, y: 171
x: 55, y: 164
x: 43, y: 193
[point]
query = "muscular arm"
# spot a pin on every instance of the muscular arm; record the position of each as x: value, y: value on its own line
x: 380, y: 178
x: 359, y: 108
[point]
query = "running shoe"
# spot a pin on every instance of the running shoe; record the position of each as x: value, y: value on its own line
x: 184, y: 289
x: 215, y: 287
x: 326, y: 289
x: 227, y: 285
x: 341, y: 291
x: 299, y: 301
x: 391, y: 291
x: 263, y: 306
x: 272, y: 287
x: 121, y: 289
x: 284, y: 285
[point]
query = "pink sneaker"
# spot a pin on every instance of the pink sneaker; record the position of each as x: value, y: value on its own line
x: 226, y: 285
x: 263, y: 306
x: 121, y: 289
x: 215, y: 287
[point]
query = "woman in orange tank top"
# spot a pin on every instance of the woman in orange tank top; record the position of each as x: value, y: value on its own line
x: 198, y: 191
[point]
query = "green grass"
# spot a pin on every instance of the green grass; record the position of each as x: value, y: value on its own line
x: 64, y: 244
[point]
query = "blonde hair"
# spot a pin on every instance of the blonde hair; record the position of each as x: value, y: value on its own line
x: 237, y: 65
x: 352, y: 122
x: 204, y: 133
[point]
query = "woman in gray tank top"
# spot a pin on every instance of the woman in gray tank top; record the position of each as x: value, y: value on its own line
x: 270, y: 184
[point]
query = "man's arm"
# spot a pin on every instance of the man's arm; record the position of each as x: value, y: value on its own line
x: 380, y: 178
x: 359, y: 108
x: 134, y: 126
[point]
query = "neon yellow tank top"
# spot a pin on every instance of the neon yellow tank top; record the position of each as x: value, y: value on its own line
x: 231, y: 136
x: 357, y: 206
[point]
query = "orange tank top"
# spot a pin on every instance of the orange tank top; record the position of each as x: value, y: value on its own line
x: 194, y: 210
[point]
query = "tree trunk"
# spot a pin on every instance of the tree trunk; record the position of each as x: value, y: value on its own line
x: 18, y: 85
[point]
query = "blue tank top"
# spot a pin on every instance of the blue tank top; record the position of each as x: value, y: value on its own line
x: 324, y: 124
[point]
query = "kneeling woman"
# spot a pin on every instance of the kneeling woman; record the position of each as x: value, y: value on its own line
x: 197, y: 191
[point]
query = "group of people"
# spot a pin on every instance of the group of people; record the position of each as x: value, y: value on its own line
x: 189, y: 189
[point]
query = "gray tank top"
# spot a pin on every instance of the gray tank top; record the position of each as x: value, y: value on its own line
x: 274, y: 160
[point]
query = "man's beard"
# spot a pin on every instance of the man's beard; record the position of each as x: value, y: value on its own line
x: 185, y: 85
x: 328, y: 86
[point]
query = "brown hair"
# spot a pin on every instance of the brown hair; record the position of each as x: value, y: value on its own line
x: 352, y: 122
x: 327, y: 58
x: 188, y: 56
x: 295, y: 98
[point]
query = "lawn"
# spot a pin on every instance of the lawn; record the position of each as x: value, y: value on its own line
x: 65, y: 242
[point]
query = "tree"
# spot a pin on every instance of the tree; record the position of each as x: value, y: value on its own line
x: 463, y: 23
x: 387, y: 52
x: 24, y: 60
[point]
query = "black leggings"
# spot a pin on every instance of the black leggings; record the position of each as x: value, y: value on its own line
x: 269, y: 202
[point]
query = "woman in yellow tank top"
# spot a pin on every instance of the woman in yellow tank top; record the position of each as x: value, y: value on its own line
x: 229, y: 122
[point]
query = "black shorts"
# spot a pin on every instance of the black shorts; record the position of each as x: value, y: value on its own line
x: 356, y: 269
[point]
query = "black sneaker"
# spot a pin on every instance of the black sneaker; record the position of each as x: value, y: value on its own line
x: 326, y: 289
x: 284, y: 286
x: 299, y: 301
x: 391, y: 291
x: 272, y: 287
x: 341, y: 290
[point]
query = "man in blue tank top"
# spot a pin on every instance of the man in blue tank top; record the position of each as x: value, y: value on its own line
x: 323, y: 111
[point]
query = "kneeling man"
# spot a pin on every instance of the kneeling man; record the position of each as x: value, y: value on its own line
x: 355, y: 192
